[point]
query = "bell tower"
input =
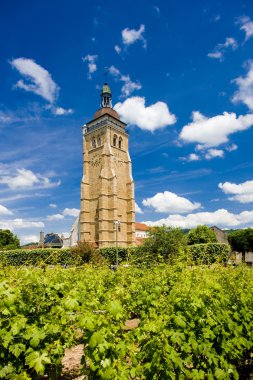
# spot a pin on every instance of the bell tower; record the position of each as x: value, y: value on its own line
x: 107, y: 215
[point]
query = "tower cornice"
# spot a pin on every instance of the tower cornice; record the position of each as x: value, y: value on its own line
x: 105, y: 121
x: 107, y: 116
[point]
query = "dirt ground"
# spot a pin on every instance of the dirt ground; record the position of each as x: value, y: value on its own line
x: 72, y: 363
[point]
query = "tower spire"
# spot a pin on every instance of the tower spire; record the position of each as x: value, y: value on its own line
x: 106, y: 96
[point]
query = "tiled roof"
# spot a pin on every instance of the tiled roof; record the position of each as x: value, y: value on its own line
x: 141, y: 227
x: 106, y: 111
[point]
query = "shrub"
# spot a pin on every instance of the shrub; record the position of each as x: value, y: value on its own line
x: 36, y: 257
x: 110, y: 254
x: 201, y: 234
x: 163, y: 244
x: 84, y: 252
x: 209, y: 253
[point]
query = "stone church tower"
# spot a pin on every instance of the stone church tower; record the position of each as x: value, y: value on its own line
x: 107, y: 216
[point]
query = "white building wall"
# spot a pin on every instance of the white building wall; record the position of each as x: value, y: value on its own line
x: 141, y: 234
x: 66, y: 242
x: 75, y: 232
x: 248, y: 257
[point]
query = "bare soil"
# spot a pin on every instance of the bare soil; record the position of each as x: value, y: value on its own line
x: 72, y: 362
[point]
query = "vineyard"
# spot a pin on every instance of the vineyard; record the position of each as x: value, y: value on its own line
x: 193, y: 323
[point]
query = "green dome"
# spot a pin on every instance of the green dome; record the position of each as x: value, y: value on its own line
x: 106, y: 89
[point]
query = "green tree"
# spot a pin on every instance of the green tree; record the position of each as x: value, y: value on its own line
x: 241, y: 241
x: 8, y: 240
x: 164, y: 243
x: 200, y: 235
x: 86, y: 253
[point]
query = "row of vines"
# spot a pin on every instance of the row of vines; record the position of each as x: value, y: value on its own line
x: 194, y: 323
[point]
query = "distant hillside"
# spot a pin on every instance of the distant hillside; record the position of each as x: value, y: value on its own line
x: 30, y: 245
x: 186, y: 230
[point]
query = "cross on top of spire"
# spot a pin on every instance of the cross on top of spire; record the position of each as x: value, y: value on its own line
x: 105, y: 74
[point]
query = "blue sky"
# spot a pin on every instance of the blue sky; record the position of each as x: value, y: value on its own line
x: 181, y: 74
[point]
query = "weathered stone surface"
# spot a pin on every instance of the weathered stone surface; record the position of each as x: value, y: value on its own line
x: 107, y: 188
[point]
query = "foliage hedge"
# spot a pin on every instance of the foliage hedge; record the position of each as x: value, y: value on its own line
x: 199, y: 253
x: 110, y: 254
x: 54, y: 256
x: 36, y: 257
x: 209, y: 253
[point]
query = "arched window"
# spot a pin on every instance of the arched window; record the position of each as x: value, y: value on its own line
x: 120, y: 142
x: 99, y: 140
x: 93, y: 142
x: 114, y: 140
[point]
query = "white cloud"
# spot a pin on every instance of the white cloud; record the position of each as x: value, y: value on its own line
x: 231, y: 148
x: 92, y: 67
x: 130, y: 36
x: 214, y: 131
x: 246, y: 26
x: 19, y: 224
x: 219, y: 50
x: 244, y: 94
x: 230, y: 42
x: 6, y: 118
x: 25, y: 239
x: 129, y: 86
x: 37, y: 79
x: 221, y: 218
x: 71, y: 212
x: 16, y: 197
x: 55, y: 217
x: 242, y: 192
x: 53, y: 205
x: 117, y: 49
x: 20, y: 115
x: 214, y: 153
x: 134, y: 111
x: 216, y: 55
x: 66, y: 235
x: 59, y: 111
x: 115, y: 72
x: 209, y: 154
x: 193, y: 157
x: 170, y: 202
x: 138, y: 210
x: 26, y: 179
x: 5, y: 211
